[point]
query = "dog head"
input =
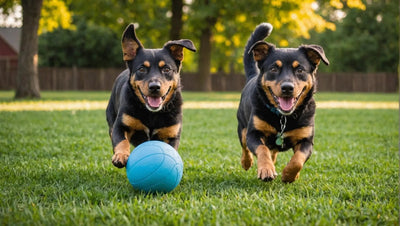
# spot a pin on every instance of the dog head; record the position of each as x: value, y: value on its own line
x: 287, y: 75
x: 154, y: 73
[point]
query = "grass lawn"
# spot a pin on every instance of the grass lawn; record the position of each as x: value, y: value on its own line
x: 55, y: 169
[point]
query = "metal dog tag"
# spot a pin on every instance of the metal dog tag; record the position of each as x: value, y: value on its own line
x: 279, y: 140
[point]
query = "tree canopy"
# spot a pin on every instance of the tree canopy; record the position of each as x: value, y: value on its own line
x: 357, y: 35
x: 365, y: 40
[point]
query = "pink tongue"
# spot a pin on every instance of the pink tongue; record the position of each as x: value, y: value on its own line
x: 286, y: 103
x: 154, y: 102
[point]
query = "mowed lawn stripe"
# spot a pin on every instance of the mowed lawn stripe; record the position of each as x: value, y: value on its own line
x: 98, y: 105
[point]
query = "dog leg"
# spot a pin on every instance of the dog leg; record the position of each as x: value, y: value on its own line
x: 292, y: 170
x: 121, y: 154
x: 121, y: 146
x: 274, y: 155
x: 247, y: 158
x: 266, y: 167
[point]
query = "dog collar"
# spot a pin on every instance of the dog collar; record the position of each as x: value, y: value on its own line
x: 273, y: 109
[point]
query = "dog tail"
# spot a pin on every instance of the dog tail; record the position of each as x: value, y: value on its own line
x: 261, y: 32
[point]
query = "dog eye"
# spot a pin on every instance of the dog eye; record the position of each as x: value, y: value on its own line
x: 299, y: 70
x: 142, y: 70
x: 166, y: 70
x: 273, y: 69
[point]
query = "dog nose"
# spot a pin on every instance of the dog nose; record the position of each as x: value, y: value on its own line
x: 154, y: 86
x: 287, y: 88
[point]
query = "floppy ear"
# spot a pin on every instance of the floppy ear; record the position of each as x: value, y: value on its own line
x: 176, y: 48
x: 130, y: 44
x: 315, y: 54
x: 260, y: 50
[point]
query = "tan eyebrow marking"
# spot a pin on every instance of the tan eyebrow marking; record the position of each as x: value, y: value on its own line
x: 295, y: 64
x: 279, y: 63
x: 146, y: 63
x: 161, y: 63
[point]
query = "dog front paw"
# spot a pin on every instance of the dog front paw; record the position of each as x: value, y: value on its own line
x: 266, y: 173
x: 120, y: 159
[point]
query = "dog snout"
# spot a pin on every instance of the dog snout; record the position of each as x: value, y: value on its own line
x: 154, y: 86
x: 287, y: 88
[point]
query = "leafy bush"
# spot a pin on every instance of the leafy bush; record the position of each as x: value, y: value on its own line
x: 88, y: 45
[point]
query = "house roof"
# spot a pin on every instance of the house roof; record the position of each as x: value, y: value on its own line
x: 12, y: 36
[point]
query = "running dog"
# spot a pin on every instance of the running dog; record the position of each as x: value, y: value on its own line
x: 146, y: 101
x: 276, y: 110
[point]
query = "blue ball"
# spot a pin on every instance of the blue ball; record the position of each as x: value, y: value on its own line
x: 154, y: 166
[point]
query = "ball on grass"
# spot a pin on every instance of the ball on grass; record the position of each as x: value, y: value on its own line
x: 154, y: 166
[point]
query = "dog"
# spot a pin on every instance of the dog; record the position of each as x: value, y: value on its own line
x: 276, y: 109
x: 146, y: 101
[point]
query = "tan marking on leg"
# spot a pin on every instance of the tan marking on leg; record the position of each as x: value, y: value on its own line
x: 247, y: 156
x: 292, y: 170
x: 121, y: 153
x: 246, y: 159
x: 168, y: 132
x: 266, y: 167
x: 263, y: 126
x: 299, y: 134
x: 134, y: 124
x: 274, y: 155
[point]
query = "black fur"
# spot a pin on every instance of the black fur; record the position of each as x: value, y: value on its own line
x: 146, y: 102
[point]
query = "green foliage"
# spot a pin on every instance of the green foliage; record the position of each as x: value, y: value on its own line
x: 55, y: 168
x: 149, y: 16
x: 364, y: 41
x: 88, y: 45
x: 232, y: 22
x: 235, y: 20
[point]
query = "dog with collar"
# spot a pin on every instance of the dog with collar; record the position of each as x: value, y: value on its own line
x: 276, y: 110
x: 146, y: 102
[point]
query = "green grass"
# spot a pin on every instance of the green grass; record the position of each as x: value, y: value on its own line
x: 7, y: 96
x: 55, y: 168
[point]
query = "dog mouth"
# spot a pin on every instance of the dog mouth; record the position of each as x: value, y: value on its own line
x: 286, y: 104
x: 154, y: 103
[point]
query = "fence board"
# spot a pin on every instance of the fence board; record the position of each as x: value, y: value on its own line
x: 103, y: 79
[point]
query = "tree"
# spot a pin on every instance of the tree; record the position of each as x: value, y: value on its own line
x: 27, y: 80
x: 176, y: 19
x: 27, y: 75
x: 226, y: 25
x: 371, y: 39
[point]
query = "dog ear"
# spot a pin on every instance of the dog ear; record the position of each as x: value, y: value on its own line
x: 130, y: 44
x: 260, y: 50
x: 176, y: 48
x: 315, y: 54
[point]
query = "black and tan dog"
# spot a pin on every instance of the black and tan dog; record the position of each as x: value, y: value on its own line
x: 146, y: 101
x: 276, y: 110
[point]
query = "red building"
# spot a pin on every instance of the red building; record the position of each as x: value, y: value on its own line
x: 9, y: 49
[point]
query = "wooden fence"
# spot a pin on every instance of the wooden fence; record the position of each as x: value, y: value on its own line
x: 102, y: 79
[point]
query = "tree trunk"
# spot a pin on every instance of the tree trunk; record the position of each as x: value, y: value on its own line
x: 27, y: 76
x: 176, y: 19
x: 205, y: 59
